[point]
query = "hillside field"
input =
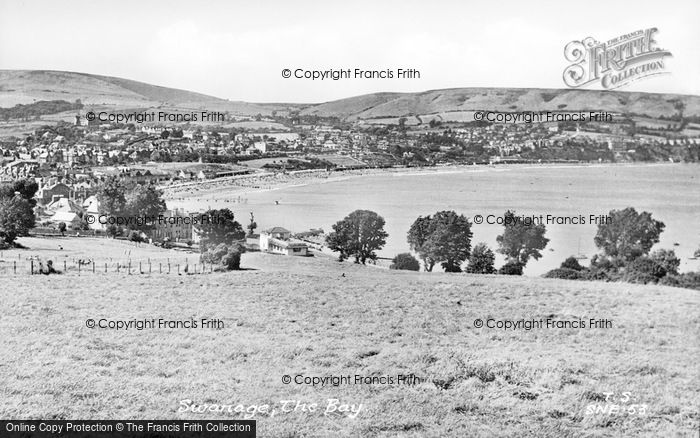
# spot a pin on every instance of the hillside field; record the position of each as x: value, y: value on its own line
x: 317, y: 317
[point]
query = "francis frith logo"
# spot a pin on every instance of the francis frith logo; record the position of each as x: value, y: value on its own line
x: 616, y: 62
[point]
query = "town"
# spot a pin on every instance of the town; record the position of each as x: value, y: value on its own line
x: 68, y: 160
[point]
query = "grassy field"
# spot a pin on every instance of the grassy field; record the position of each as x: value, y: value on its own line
x: 69, y: 251
x: 317, y: 317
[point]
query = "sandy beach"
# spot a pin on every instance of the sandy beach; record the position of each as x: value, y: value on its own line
x: 198, y: 195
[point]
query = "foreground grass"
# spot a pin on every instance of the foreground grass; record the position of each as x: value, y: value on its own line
x: 289, y: 316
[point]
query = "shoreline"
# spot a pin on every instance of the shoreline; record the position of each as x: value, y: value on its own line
x: 239, y: 187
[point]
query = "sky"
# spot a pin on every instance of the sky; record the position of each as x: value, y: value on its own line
x: 237, y: 50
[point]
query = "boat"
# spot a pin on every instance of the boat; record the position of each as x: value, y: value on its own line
x: 580, y: 255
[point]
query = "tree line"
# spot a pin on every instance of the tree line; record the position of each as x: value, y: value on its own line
x: 445, y: 239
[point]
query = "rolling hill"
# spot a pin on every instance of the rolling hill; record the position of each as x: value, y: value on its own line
x: 447, y: 102
x: 315, y: 317
x: 27, y: 86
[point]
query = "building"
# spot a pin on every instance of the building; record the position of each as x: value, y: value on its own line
x: 19, y: 169
x: 174, y: 225
x: 50, y: 193
x: 71, y: 219
x: 278, y: 240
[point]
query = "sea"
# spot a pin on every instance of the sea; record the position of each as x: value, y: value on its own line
x: 568, y: 198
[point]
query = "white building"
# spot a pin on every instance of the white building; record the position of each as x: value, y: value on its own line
x: 278, y: 240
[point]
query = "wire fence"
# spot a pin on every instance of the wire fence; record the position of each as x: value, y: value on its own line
x: 88, y: 266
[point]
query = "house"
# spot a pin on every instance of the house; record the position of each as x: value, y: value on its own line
x: 64, y: 205
x: 174, y: 225
x: 52, y: 192
x: 71, y: 219
x: 92, y: 214
x: 278, y: 240
x: 278, y: 233
x: 19, y: 169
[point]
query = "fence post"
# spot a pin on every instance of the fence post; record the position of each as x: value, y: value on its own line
x: 93, y: 266
x: 129, y: 267
x: 105, y: 267
x: 140, y: 271
x: 15, y: 263
x: 117, y: 267
x: 32, y: 264
x: 65, y: 267
x: 160, y: 268
x: 168, y: 266
x: 149, y: 266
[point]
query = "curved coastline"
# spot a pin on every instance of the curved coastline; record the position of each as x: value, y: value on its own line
x: 258, y: 183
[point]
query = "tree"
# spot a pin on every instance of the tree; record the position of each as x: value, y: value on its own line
x: 216, y: 227
x: 358, y: 235
x: 26, y: 188
x: 16, y: 218
x: 402, y: 124
x: 405, y: 261
x: 481, y: 260
x: 521, y: 240
x: 444, y: 237
x: 144, y: 201
x: 628, y: 234
x: 17, y: 209
x: 252, y: 225
x: 111, y: 196
x: 62, y: 228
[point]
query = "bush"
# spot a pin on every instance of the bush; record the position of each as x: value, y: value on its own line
x: 113, y: 231
x: 406, y: 262
x: 229, y: 256
x: 643, y: 270
x: 511, y: 268
x: 565, y: 273
x: 600, y: 274
x: 572, y: 263
x: 667, y: 259
x: 671, y: 280
x: 135, y: 236
x: 604, y: 268
x: 688, y: 280
x: 481, y: 260
x: 232, y: 259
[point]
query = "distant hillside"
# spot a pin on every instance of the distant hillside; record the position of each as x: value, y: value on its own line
x: 28, y: 86
x: 459, y: 100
